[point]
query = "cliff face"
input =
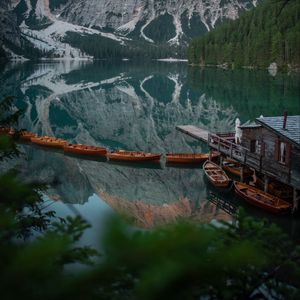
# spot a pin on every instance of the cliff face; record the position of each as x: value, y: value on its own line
x: 46, y: 23
x: 142, y: 17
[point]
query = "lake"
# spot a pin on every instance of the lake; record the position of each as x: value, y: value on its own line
x: 136, y: 106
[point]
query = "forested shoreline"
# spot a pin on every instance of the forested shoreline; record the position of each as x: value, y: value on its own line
x: 266, y: 34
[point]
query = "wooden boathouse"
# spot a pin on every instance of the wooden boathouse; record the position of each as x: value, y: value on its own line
x: 270, y: 146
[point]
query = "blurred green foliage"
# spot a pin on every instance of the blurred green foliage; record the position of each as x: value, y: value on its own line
x: 39, y: 256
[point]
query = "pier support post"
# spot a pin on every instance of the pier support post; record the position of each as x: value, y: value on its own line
x: 242, y: 173
x: 210, y: 154
x: 221, y: 161
x: 295, y: 200
x: 266, y: 185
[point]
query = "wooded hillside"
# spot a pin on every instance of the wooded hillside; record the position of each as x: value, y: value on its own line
x: 268, y: 33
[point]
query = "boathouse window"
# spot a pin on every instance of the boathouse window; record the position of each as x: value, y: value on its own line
x: 252, y: 146
x: 282, y: 152
x: 257, y: 146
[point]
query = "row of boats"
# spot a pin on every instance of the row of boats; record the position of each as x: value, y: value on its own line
x: 120, y: 155
x: 217, y: 176
x: 214, y: 172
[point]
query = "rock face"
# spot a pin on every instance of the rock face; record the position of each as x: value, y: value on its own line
x: 186, y: 17
x: 44, y: 23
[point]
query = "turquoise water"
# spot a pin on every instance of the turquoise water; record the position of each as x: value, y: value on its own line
x: 136, y: 106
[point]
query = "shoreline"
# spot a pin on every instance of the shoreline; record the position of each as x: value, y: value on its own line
x: 280, y: 69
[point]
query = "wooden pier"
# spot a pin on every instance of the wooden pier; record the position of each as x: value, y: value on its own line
x: 246, y: 158
x: 195, y: 132
x: 266, y: 160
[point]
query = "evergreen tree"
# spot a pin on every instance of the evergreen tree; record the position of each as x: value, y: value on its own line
x: 268, y: 33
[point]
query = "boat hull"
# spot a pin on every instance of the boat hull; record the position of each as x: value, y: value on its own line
x: 261, y: 199
x: 234, y: 169
x: 52, y: 143
x: 188, y: 158
x: 134, y: 156
x: 216, y: 175
x: 85, y: 150
x: 27, y: 136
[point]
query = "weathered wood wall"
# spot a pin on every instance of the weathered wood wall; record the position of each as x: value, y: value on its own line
x: 269, y: 152
x: 295, y: 167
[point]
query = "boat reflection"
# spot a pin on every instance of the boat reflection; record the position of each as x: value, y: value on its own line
x: 150, y: 196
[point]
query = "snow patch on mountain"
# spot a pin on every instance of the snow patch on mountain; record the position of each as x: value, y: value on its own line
x: 179, y: 32
x: 124, y: 17
x: 51, y: 38
x: 42, y: 9
x: 130, y: 26
x: 116, y: 20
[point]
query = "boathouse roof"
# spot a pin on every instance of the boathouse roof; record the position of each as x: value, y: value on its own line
x: 250, y: 124
x: 291, y: 131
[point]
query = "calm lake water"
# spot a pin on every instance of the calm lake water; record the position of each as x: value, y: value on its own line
x: 136, y: 106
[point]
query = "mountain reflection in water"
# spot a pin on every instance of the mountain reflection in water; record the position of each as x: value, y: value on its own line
x: 135, y: 106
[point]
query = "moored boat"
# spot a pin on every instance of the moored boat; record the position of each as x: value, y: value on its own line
x: 22, y: 134
x: 261, y: 199
x: 27, y: 135
x: 49, y: 142
x: 234, y: 168
x: 133, y: 156
x: 216, y: 175
x: 189, y: 158
x: 85, y: 150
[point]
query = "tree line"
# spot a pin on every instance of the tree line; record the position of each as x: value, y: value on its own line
x: 268, y: 33
x: 104, y: 48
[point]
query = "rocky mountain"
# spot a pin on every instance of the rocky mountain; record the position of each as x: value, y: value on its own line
x: 153, y: 20
x: 76, y: 28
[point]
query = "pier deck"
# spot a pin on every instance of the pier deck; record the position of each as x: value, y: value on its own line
x: 195, y: 132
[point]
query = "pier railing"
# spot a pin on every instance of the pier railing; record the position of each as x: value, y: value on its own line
x: 227, y: 136
x: 250, y: 159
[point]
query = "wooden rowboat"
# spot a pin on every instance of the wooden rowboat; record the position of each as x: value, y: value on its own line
x: 234, y: 168
x: 49, y: 142
x: 215, y: 174
x: 261, y: 199
x: 133, y: 156
x: 23, y: 135
x: 85, y: 150
x: 188, y: 158
x: 27, y: 135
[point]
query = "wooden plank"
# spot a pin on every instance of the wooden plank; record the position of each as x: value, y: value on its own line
x: 194, y: 131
